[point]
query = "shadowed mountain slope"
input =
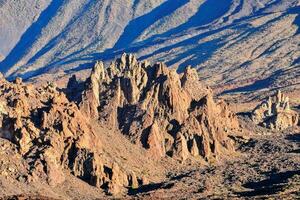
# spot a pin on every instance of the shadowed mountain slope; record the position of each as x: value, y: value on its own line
x: 236, y: 42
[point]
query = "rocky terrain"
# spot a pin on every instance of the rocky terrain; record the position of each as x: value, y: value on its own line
x: 268, y: 168
x: 167, y: 113
x: 204, y: 104
x: 220, y: 39
x: 51, y: 134
x: 138, y: 130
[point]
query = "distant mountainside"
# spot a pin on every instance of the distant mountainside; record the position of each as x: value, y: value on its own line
x: 238, y: 44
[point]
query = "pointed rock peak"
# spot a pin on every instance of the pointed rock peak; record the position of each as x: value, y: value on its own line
x: 98, y: 71
x: 155, y: 141
x: 190, y: 74
x: 194, y: 148
x: 160, y: 69
x: 19, y: 80
x: 275, y: 113
x: 279, y: 96
x: 99, y: 67
x: 181, y: 148
x: 142, y: 99
x: 128, y: 60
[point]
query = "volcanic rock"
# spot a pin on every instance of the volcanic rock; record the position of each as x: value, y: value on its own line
x: 165, y: 112
x: 181, y: 149
x: 275, y: 113
x: 55, y: 138
x: 155, y: 141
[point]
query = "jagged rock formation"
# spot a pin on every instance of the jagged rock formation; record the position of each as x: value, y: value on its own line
x: 55, y: 138
x: 275, y: 113
x: 167, y: 113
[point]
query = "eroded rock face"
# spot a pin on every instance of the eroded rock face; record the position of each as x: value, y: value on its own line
x: 55, y: 138
x: 167, y: 113
x: 275, y: 113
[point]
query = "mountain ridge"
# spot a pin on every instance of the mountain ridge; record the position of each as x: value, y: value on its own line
x: 204, y: 34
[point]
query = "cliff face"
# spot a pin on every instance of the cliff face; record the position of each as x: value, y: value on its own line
x: 165, y: 112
